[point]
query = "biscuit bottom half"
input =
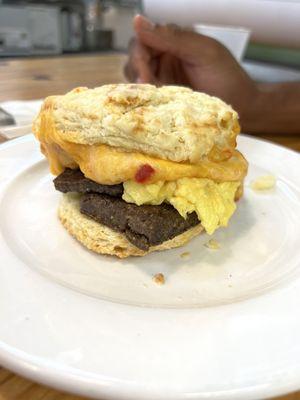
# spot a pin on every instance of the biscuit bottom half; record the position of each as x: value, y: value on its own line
x: 101, y: 239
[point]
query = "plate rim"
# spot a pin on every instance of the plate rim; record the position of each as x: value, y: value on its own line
x: 67, y: 380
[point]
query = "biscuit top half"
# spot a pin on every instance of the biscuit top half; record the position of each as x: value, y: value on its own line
x: 170, y: 122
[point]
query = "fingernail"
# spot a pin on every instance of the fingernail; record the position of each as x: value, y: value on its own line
x: 145, y: 24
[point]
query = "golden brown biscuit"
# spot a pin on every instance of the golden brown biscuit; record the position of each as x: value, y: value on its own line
x: 170, y: 122
x: 109, y: 165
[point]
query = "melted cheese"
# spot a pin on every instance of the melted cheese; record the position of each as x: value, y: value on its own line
x: 108, y: 165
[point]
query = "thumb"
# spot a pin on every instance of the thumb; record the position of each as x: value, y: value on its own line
x: 184, y: 44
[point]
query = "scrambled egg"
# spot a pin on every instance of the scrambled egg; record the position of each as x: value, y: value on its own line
x: 213, y: 202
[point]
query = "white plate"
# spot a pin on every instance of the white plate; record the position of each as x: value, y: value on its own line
x: 224, y: 326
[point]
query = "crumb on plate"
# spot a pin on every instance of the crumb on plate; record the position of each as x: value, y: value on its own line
x: 212, y: 244
x: 186, y: 254
x: 159, y: 279
x: 265, y: 182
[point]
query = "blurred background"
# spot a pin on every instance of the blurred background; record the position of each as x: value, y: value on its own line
x: 54, y: 27
x: 52, y: 46
x: 269, y: 30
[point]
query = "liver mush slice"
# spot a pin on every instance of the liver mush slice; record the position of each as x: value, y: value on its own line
x: 73, y: 180
x: 144, y: 226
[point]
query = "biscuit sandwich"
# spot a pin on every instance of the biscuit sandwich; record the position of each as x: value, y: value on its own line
x: 141, y: 168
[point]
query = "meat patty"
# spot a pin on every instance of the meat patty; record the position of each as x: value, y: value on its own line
x: 144, y: 226
x: 73, y: 180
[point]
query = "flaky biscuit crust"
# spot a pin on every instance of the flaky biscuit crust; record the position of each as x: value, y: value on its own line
x: 170, y: 122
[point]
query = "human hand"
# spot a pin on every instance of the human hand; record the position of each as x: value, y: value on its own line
x: 168, y: 55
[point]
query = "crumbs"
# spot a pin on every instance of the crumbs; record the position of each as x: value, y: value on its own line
x: 212, y: 244
x: 265, y: 182
x: 159, y: 279
x: 186, y: 254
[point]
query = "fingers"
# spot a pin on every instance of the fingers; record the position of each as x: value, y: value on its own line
x: 165, y: 69
x: 139, y: 65
x: 184, y: 44
x: 129, y: 68
x: 155, y: 54
x: 141, y: 58
x: 142, y: 23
